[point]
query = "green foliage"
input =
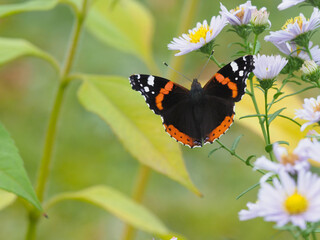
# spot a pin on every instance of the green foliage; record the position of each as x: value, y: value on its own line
x: 13, y: 176
x: 11, y: 49
x: 118, y: 204
x: 127, y: 26
x: 6, y: 198
x: 112, y: 99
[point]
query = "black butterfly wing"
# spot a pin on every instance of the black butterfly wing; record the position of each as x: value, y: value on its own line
x: 172, y: 102
x: 225, y: 88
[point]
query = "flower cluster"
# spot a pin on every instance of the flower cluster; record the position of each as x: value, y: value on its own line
x: 244, y: 19
x: 293, y: 196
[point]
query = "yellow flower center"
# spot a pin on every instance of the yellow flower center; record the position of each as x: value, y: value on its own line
x: 317, y: 108
x: 239, y: 14
x: 296, y: 203
x: 289, y: 159
x: 298, y: 20
x: 201, y: 32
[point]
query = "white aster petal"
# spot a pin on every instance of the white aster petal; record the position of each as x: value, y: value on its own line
x: 268, y: 67
x: 238, y: 16
x: 295, y: 27
x: 288, y: 3
x: 194, y: 40
x: 273, y: 200
x: 310, y: 111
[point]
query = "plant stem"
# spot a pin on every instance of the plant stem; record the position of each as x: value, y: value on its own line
x: 254, y: 101
x: 266, y: 117
x: 138, y: 192
x: 236, y: 155
x: 44, y: 168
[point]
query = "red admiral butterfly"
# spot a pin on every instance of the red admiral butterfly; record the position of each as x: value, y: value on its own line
x: 199, y: 115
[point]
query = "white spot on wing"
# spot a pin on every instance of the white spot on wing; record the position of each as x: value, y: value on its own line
x: 241, y: 73
x: 146, y: 89
x: 151, y: 80
x: 138, y: 76
x: 234, y: 66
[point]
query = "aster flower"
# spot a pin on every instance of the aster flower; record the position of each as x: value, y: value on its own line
x: 314, y: 151
x: 309, y: 67
x: 198, y: 37
x: 260, y: 17
x: 295, y: 28
x: 240, y: 15
x: 288, y: 3
x: 268, y: 67
x: 287, y: 200
x: 293, y: 50
x: 310, y: 111
x: 288, y: 162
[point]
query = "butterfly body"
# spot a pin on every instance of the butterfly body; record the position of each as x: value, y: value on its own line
x: 199, y: 115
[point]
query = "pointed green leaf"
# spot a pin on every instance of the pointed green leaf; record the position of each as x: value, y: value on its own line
x: 118, y: 204
x: 6, y: 198
x: 236, y: 142
x: 11, y: 49
x: 275, y: 114
x: 13, y: 177
x: 139, y: 130
x: 126, y: 25
x: 213, y: 150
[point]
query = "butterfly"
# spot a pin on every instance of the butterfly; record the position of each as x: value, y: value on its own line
x: 199, y: 115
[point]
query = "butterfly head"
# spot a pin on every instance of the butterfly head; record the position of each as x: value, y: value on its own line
x: 196, y: 90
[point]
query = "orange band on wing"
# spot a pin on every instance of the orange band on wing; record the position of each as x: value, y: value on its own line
x: 222, y: 128
x: 180, y: 136
x: 231, y: 85
x: 163, y: 91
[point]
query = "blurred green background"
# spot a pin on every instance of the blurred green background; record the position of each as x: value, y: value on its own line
x: 87, y: 153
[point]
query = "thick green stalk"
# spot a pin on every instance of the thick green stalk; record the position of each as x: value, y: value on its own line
x: 137, y: 196
x: 44, y: 168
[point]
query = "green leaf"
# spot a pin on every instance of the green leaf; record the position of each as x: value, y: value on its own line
x: 13, y: 177
x: 275, y: 114
x: 235, y: 143
x: 213, y: 150
x: 35, y: 5
x: 139, y: 130
x: 253, y: 115
x: 11, y: 49
x: 249, y: 159
x: 118, y: 204
x: 127, y: 26
x: 290, y: 119
x: 248, y: 190
x: 283, y: 142
x: 6, y: 198
x: 275, y: 96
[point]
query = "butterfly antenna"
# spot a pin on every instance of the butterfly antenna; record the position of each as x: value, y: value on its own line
x: 177, y: 72
x: 205, y: 65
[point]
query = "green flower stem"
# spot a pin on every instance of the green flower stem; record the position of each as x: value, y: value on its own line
x: 44, y: 169
x: 266, y: 112
x: 255, y: 43
x: 220, y: 65
x: 189, y: 10
x: 254, y: 101
x: 236, y: 155
x: 138, y: 192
